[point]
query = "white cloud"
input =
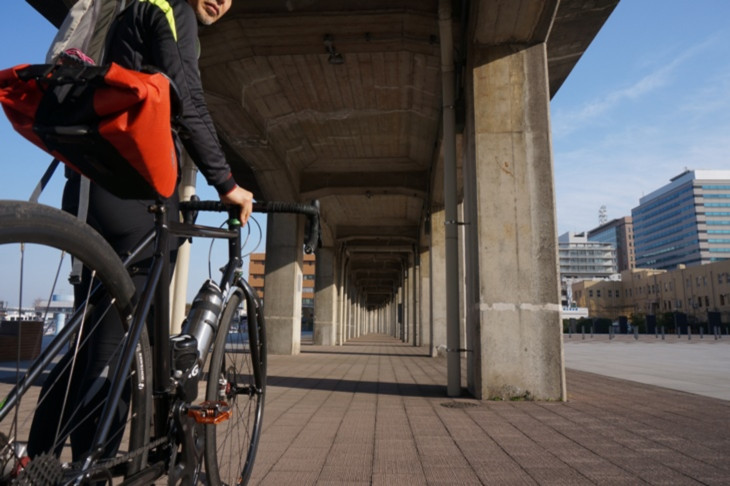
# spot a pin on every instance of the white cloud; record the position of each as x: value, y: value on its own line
x: 565, y: 122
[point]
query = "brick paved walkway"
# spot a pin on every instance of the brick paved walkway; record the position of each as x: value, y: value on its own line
x: 375, y: 412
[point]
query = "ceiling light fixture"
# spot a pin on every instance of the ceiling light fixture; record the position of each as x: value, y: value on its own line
x: 334, y: 56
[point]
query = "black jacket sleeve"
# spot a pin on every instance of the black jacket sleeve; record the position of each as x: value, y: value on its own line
x: 167, y: 33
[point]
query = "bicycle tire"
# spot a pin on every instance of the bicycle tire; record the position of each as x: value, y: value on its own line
x: 44, y: 230
x: 237, y: 375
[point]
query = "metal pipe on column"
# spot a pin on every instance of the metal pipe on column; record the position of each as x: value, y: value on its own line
x: 179, y: 284
x: 453, y: 360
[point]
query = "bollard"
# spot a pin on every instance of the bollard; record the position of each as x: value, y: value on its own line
x: 591, y: 331
x: 662, y: 333
x: 583, y: 332
x: 702, y: 332
x: 689, y: 333
x: 636, y: 333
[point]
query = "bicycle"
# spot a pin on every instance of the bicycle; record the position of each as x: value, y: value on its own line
x: 165, y: 432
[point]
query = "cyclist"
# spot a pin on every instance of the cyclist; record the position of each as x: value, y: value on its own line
x: 162, y: 34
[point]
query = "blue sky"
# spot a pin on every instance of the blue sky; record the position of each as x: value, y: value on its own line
x: 650, y: 96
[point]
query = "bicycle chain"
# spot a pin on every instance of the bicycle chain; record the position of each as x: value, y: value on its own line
x: 110, y: 463
x: 107, y: 464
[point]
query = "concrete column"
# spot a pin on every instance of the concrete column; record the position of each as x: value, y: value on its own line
x: 325, y: 298
x: 339, y: 328
x: 395, y: 326
x: 521, y: 352
x: 406, y: 299
x: 348, y: 313
x: 416, y: 341
x: 283, y: 283
x: 355, y: 315
x: 342, y: 298
x: 402, y: 312
x: 351, y: 315
x: 357, y: 310
x: 382, y: 320
x: 412, y: 300
x: 424, y: 292
x: 388, y: 318
x: 438, y: 283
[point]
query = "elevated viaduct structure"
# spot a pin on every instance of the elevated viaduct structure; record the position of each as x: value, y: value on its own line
x: 423, y: 128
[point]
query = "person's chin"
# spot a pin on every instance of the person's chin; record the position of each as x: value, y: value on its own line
x: 205, y: 19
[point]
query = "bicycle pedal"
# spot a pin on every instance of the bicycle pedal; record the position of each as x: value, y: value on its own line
x: 210, y: 412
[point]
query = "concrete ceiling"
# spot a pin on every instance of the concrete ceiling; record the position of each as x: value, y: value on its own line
x: 363, y: 135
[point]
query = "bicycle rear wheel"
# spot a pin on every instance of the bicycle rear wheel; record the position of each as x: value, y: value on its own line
x: 49, y: 401
x: 237, y: 376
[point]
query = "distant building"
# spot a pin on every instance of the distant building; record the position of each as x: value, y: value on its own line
x: 693, y: 292
x: 620, y: 233
x: 684, y: 222
x: 256, y: 272
x: 580, y: 259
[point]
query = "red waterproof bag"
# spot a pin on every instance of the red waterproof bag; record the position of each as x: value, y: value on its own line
x: 109, y: 123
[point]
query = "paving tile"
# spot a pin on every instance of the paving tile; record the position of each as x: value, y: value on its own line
x: 398, y: 479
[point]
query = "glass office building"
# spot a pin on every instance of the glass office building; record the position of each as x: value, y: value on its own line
x: 685, y: 222
x: 619, y: 233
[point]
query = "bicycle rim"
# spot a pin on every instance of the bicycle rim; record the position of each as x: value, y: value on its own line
x: 46, y: 404
x: 237, y: 376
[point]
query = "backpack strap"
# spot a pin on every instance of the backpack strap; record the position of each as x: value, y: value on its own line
x: 44, y: 181
x: 83, y: 210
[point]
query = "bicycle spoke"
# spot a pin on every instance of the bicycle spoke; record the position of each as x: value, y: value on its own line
x: 232, y: 444
x: 34, y: 275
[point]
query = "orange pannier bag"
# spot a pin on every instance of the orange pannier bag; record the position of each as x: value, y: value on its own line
x: 108, y: 123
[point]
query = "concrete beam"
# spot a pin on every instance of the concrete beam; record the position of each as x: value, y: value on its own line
x: 500, y: 22
x: 397, y: 229
x: 316, y: 185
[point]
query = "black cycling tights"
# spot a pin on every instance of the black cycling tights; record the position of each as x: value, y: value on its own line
x: 123, y: 223
x: 82, y: 402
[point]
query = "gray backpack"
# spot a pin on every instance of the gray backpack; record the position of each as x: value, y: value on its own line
x: 85, y: 29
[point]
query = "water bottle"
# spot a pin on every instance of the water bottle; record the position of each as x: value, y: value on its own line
x: 202, y: 321
x: 190, y: 348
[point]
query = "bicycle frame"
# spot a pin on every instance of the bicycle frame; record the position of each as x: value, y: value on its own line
x: 171, y: 419
x: 156, y: 291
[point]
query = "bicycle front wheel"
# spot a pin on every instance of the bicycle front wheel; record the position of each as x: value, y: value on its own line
x: 237, y: 376
x: 52, y: 380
